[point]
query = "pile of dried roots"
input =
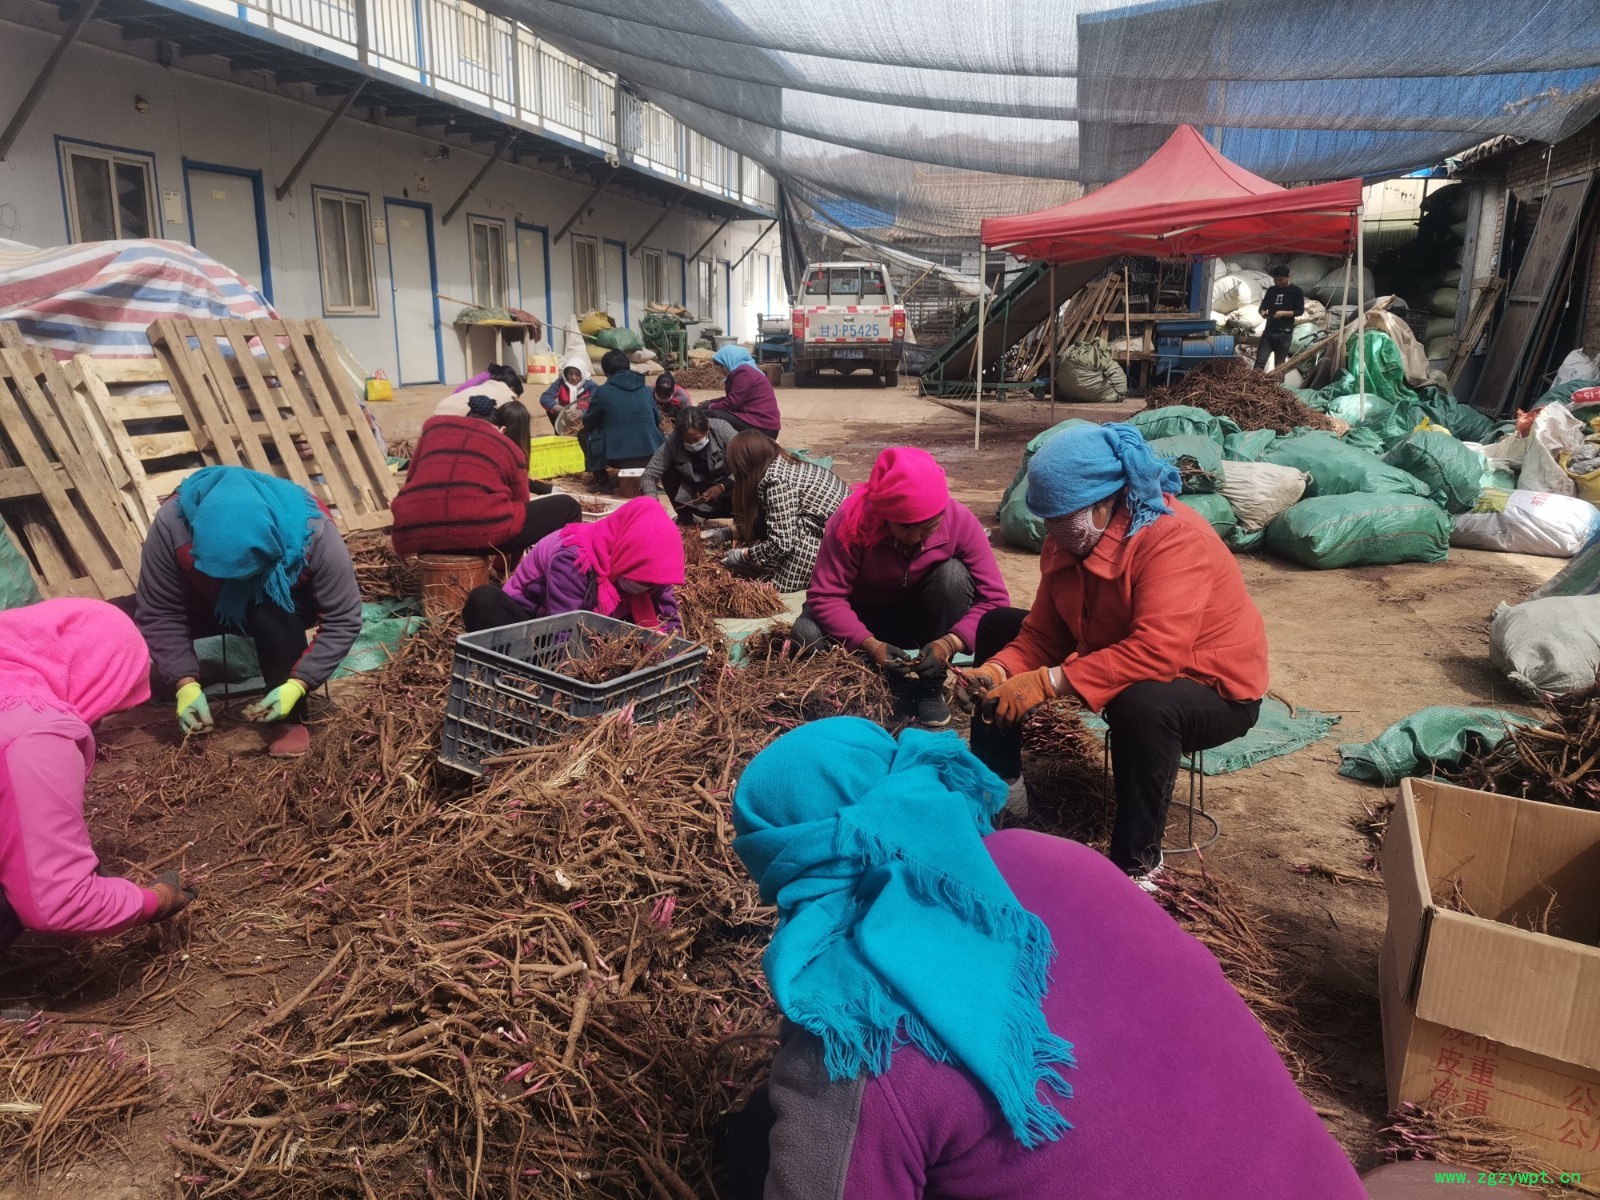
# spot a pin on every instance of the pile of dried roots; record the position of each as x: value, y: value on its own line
x: 706, y: 378
x: 600, y: 658
x: 1457, y: 1137
x: 546, y: 985
x: 711, y: 592
x: 383, y: 575
x: 63, y: 1087
x: 1228, y: 387
x: 1069, y: 789
x: 1557, y: 762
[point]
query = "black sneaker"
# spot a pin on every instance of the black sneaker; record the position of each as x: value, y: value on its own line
x: 932, y: 712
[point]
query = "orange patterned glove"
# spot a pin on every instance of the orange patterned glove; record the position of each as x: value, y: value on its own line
x: 1014, y: 699
x: 975, y: 683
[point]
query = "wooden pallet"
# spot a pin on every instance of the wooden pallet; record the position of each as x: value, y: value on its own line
x: 56, y: 495
x: 274, y: 396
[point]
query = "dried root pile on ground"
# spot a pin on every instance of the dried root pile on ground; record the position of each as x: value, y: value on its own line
x: 706, y: 378
x: 383, y: 575
x: 711, y: 592
x: 61, y: 1088
x: 1454, y: 1137
x: 1557, y: 762
x: 1069, y: 792
x: 548, y: 985
x: 1228, y: 387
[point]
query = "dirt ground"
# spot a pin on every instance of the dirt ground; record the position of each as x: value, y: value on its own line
x: 1371, y: 645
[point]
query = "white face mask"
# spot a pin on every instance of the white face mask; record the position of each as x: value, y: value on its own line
x: 695, y: 447
x: 1076, y: 532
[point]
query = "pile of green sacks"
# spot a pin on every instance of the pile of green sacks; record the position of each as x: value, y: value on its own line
x: 1382, y: 493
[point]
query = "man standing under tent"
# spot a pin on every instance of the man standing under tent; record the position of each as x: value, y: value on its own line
x: 1281, y: 306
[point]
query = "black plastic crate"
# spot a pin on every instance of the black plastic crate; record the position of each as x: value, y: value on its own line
x: 507, y: 690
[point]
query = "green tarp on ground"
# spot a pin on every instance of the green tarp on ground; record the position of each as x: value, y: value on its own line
x: 1417, y: 744
x: 1276, y: 733
x: 231, y: 660
x: 16, y: 583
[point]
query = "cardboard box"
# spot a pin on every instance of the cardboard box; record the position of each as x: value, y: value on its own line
x: 1479, y: 1014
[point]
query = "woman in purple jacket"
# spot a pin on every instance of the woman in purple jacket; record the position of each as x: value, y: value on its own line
x: 750, y: 403
x: 999, y: 1015
x: 904, y: 575
x: 625, y: 565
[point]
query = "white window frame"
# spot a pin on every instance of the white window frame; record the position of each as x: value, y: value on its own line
x: 498, y: 265
x: 653, y: 276
x: 586, y: 249
x: 114, y: 158
x: 347, y: 200
x: 747, y: 280
x: 705, y: 291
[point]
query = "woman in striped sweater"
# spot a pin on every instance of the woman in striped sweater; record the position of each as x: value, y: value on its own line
x: 780, y: 505
x: 467, y: 492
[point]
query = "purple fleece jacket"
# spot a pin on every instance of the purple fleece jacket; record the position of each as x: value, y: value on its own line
x: 881, y: 574
x: 750, y: 398
x: 1177, y: 1092
x: 548, y: 580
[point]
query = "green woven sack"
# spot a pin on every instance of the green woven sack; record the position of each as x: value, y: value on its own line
x: 1198, y: 459
x: 1337, y: 469
x: 1248, y: 446
x: 16, y: 582
x: 1452, y: 472
x: 1415, y: 745
x: 1215, y: 509
x: 1181, y: 420
x: 625, y: 340
x: 1361, y: 530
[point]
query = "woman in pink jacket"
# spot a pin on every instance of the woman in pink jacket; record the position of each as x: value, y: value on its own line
x: 65, y: 664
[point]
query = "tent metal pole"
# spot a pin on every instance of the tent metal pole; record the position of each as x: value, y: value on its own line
x: 977, y: 360
x: 1055, y: 331
x: 1344, y: 301
x: 1361, y: 322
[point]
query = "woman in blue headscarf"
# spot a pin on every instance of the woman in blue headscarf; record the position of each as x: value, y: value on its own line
x: 236, y: 551
x: 1141, y: 614
x: 930, y: 971
x: 750, y: 402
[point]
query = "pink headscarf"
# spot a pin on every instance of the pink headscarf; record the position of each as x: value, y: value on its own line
x: 82, y: 657
x: 906, y: 486
x: 637, y: 542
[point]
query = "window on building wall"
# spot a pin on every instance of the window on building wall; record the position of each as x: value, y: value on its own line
x: 488, y: 262
x: 747, y: 281
x: 344, y: 243
x: 705, y: 293
x: 585, y: 274
x: 655, y: 276
x: 110, y: 193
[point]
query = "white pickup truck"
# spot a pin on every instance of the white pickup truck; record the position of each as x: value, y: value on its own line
x: 846, y: 319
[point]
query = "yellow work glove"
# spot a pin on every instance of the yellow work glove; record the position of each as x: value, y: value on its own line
x: 275, y: 705
x: 194, y: 714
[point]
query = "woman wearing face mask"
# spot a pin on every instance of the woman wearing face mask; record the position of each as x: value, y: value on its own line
x: 690, y: 467
x: 572, y: 389
x: 1141, y: 614
x: 904, y: 575
x: 625, y: 565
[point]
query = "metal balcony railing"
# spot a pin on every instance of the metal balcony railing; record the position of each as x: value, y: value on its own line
x: 464, y: 52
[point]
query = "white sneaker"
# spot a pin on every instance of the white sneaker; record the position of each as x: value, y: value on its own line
x: 1017, y: 798
x: 1150, y: 881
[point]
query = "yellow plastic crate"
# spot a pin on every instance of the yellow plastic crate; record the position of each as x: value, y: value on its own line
x: 552, y: 456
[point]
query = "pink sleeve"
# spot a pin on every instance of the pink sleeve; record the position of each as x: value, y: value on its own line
x: 832, y: 581
x: 47, y: 864
x: 977, y: 555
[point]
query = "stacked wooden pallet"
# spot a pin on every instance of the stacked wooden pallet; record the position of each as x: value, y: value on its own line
x: 90, y: 448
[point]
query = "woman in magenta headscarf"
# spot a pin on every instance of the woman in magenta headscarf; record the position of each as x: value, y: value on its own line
x: 624, y: 565
x: 65, y: 664
x: 904, y: 575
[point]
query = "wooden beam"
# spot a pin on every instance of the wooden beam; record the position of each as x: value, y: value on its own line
x: 30, y: 100
x: 327, y: 126
x: 478, y: 178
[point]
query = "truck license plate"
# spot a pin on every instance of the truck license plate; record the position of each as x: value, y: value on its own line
x: 849, y: 353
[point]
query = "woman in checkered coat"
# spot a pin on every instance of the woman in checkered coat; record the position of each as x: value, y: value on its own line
x: 780, y: 505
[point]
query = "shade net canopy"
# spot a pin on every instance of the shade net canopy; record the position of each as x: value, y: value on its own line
x: 940, y: 112
x: 1186, y: 199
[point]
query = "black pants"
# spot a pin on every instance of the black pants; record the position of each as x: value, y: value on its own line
x: 929, y: 610
x: 739, y: 423
x: 673, y: 481
x: 279, y: 635
x: 1153, y: 724
x: 544, y: 516
x: 488, y: 607
x: 1276, y: 342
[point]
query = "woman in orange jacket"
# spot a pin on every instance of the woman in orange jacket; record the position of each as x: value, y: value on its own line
x: 1141, y: 614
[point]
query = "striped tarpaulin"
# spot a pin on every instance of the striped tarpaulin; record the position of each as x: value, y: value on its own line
x: 99, y: 297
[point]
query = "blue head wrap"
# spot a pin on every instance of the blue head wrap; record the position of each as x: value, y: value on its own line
x: 894, y: 924
x: 1085, y: 464
x: 730, y: 358
x: 250, y: 531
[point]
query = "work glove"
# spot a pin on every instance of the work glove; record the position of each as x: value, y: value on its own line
x: 934, y: 658
x: 891, y: 660
x: 714, y: 492
x: 735, y: 558
x: 277, y: 703
x: 718, y: 535
x: 174, y: 895
x: 1007, y: 704
x: 974, y: 683
x: 194, y: 714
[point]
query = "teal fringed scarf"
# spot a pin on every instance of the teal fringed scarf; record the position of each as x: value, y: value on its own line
x: 894, y: 925
x: 250, y: 531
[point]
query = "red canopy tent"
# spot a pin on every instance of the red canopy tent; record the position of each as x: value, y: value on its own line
x: 1186, y: 199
